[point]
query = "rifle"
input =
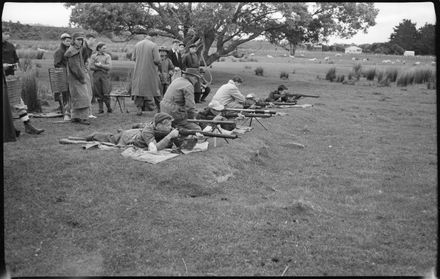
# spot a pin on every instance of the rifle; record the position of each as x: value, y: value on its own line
x: 185, y: 132
x: 210, y: 121
x: 297, y: 96
x: 257, y: 111
x: 261, y: 115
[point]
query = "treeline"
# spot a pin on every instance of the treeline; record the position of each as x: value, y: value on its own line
x: 37, y: 32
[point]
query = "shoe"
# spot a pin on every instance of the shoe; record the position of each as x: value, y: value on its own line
x: 109, y: 111
x: 28, y: 128
x: 91, y: 116
x: 101, y: 111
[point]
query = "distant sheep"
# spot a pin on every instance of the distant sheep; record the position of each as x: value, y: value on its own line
x: 313, y: 59
x: 269, y: 56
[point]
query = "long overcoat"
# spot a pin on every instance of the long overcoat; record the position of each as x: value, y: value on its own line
x: 145, y: 80
x: 77, y: 78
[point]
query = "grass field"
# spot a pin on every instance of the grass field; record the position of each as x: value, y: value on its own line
x: 359, y: 199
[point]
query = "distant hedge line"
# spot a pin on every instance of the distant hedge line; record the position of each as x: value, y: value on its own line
x: 35, y: 32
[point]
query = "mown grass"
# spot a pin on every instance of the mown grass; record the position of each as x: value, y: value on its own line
x: 359, y: 199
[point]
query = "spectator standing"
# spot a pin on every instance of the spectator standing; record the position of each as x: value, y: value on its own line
x: 60, y: 61
x: 192, y: 60
x: 10, y: 62
x: 77, y: 76
x: 176, y: 55
x: 178, y: 100
x: 229, y: 95
x: 166, y: 69
x: 89, y: 44
x: 145, y: 80
x: 100, y: 64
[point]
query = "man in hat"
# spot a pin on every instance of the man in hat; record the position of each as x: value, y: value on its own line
x: 279, y: 95
x: 166, y: 69
x: 77, y: 76
x: 10, y: 62
x: 228, y: 94
x: 60, y: 61
x: 100, y: 64
x: 155, y: 135
x: 87, y: 51
x: 178, y: 100
x: 192, y: 60
x: 145, y: 80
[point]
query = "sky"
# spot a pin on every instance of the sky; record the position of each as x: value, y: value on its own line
x: 390, y: 15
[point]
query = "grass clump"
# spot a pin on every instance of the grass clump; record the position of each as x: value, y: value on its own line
x: 259, y: 71
x: 340, y: 78
x: 415, y: 75
x: 370, y: 73
x: 284, y: 75
x: 331, y: 74
x: 29, y: 92
x: 357, y: 69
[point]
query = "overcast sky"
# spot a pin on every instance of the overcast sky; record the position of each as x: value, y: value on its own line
x: 390, y: 15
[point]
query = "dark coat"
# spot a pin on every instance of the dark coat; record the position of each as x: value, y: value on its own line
x: 176, y: 59
x: 9, y: 55
x: 190, y: 60
x: 8, y: 123
x: 59, y: 60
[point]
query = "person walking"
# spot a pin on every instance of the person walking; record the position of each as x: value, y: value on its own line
x: 145, y: 80
x: 100, y: 64
x: 77, y: 79
x: 60, y: 61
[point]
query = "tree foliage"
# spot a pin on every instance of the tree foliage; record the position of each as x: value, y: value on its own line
x: 407, y: 36
x: 226, y: 25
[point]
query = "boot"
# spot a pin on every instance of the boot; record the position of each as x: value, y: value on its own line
x: 17, y: 133
x: 107, y: 104
x: 101, y: 107
x: 28, y: 128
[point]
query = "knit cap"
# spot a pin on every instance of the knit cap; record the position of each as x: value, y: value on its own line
x: 161, y: 116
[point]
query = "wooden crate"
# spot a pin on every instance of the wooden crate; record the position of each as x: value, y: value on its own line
x: 14, y: 90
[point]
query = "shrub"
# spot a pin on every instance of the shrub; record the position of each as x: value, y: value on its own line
x: 422, y: 75
x: 370, y: 73
x: 340, y: 78
x: 380, y: 74
x: 391, y: 74
x: 331, y: 74
x: 29, y: 91
x: 415, y: 75
x: 284, y: 75
x: 259, y: 71
x: 357, y: 69
x: 247, y: 67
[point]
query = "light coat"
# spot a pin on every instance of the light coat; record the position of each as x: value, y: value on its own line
x: 145, y: 82
x: 77, y: 78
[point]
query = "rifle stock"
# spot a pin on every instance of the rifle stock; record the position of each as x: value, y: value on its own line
x: 297, y: 96
x: 261, y: 115
x: 185, y: 132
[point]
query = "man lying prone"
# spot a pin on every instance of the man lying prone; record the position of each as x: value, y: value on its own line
x: 155, y: 135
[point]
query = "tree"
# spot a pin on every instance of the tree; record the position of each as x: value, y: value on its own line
x: 426, y: 43
x: 226, y: 25
x: 405, y: 35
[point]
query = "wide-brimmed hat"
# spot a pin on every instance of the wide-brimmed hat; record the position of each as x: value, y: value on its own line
x: 64, y: 36
x: 161, y: 116
x: 78, y: 35
x: 216, y: 105
x: 192, y: 71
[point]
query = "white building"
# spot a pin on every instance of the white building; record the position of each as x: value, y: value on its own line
x: 408, y: 53
x: 353, y: 50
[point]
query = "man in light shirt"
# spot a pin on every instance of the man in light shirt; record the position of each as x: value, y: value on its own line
x: 228, y: 94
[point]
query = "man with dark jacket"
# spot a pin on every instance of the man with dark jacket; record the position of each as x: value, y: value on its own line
x: 10, y: 62
x: 60, y: 61
x: 192, y: 60
x: 175, y: 55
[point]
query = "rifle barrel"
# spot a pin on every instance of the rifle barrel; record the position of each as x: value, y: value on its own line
x: 210, y: 121
x: 257, y: 115
x: 302, y: 95
x: 251, y: 110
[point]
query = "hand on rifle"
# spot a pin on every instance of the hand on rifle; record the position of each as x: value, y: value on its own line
x: 174, y: 133
x: 240, y: 116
